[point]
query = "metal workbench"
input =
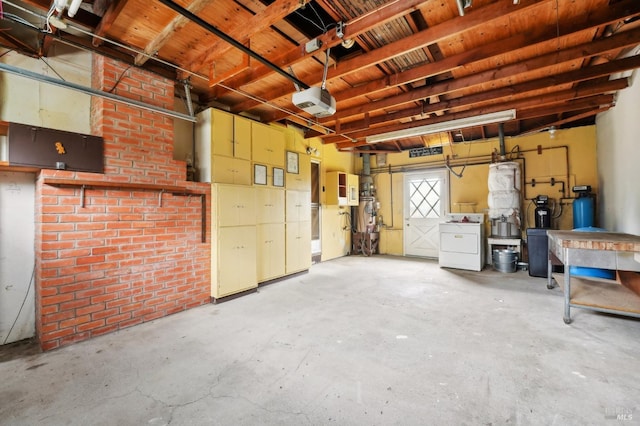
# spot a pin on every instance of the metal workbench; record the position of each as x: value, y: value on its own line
x: 607, y: 250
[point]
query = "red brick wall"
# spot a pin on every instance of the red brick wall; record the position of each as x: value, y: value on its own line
x: 123, y: 258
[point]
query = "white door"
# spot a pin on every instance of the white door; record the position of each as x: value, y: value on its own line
x: 426, y: 201
x: 17, y: 255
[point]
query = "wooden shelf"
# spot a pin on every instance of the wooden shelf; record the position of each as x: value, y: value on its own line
x: 601, y: 294
x: 161, y: 189
x: 6, y: 167
x: 176, y: 190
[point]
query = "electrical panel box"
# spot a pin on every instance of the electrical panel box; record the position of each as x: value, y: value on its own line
x: 34, y: 146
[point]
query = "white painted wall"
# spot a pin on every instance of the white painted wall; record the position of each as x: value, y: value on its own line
x: 618, y: 132
x: 17, y: 256
x: 41, y: 104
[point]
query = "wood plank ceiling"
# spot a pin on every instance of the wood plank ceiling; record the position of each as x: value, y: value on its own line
x: 413, y: 62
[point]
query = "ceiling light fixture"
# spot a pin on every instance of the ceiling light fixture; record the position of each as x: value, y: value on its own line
x: 445, y: 126
x: 347, y: 43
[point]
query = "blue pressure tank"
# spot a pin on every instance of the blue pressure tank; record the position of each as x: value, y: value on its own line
x: 583, y: 207
x: 585, y: 271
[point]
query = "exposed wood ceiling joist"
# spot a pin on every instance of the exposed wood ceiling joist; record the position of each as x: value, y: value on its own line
x: 413, y: 61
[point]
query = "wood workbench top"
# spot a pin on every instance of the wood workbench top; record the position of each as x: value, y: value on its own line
x: 610, y: 241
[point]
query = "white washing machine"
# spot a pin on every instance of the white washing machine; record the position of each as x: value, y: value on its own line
x: 462, y: 241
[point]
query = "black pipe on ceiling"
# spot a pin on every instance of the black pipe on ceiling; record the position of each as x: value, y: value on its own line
x: 235, y: 43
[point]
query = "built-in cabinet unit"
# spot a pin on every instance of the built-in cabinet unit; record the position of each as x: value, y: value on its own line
x: 298, y: 230
x: 300, y: 181
x: 233, y: 255
x: 342, y: 189
x: 223, y: 148
x: 259, y: 232
x: 298, y: 217
x: 298, y: 246
x: 268, y: 145
x: 270, y: 206
x: 271, y: 246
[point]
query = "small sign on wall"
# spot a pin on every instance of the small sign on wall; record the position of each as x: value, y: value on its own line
x: 425, y: 151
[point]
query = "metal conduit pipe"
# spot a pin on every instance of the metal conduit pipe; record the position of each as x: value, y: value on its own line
x: 566, y: 159
x: 187, y: 91
x: 89, y: 91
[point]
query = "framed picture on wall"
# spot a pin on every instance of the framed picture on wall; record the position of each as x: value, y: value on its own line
x: 278, y: 177
x: 259, y: 174
x: 292, y: 162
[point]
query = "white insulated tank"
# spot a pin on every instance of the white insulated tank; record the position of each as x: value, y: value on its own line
x: 504, y: 189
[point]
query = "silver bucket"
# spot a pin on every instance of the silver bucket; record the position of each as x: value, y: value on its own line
x: 505, y: 260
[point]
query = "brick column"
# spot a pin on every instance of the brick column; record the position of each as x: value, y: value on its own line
x: 123, y: 258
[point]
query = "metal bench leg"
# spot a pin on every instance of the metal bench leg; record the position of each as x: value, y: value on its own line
x: 567, y: 294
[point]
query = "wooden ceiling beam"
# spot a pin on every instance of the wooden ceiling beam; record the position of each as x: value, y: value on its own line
x: 615, y: 13
x: 562, y: 96
x: 114, y: 53
x: 355, y: 130
x: 242, y: 30
x: 107, y: 20
x: 593, y: 48
x: 497, y: 104
x: 352, y: 29
x: 600, y: 102
x: 450, y: 28
x: 176, y: 24
x: 16, y: 43
x: 560, y: 122
x: 505, y: 93
x: 593, y: 102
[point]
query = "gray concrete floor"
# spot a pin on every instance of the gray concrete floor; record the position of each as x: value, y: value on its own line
x: 373, y: 341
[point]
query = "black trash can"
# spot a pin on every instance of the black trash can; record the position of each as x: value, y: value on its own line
x: 538, y: 248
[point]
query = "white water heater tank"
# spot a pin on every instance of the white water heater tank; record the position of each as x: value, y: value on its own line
x: 504, y: 189
x: 504, y: 176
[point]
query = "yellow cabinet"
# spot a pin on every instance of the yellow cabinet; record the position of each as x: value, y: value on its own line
x: 298, y: 246
x: 269, y: 205
x: 223, y: 147
x: 336, y: 187
x: 242, y: 137
x: 298, y: 230
x: 300, y: 181
x: 270, y: 250
x: 236, y: 269
x: 267, y: 145
x: 230, y: 135
x: 341, y: 189
x: 220, y: 132
x: 233, y: 250
x: 230, y: 170
x: 298, y: 206
x: 235, y: 205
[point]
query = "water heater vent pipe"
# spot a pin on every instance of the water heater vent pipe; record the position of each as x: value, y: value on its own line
x: 503, y: 149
